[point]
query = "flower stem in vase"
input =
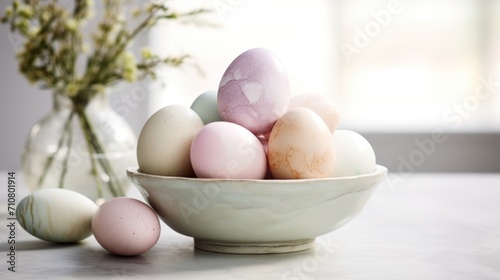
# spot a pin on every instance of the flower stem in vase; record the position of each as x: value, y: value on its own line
x: 95, y: 148
x: 50, y: 159
x: 68, y: 129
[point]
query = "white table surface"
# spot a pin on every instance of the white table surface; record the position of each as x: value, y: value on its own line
x: 422, y: 226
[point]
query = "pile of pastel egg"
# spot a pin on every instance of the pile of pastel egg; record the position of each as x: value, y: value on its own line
x: 251, y: 128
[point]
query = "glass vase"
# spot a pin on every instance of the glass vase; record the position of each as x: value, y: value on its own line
x: 81, y: 145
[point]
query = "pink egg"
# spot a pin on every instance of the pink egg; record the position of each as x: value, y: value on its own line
x: 227, y: 150
x: 321, y: 105
x: 126, y: 226
x: 254, y: 91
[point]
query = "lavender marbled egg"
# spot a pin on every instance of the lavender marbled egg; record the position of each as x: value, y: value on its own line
x: 254, y: 91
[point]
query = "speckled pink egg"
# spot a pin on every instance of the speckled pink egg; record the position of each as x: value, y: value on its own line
x: 254, y: 91
x: 126, y: 226
x: 227, y: 150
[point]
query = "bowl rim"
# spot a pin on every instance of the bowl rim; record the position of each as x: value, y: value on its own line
x: 379, y: 170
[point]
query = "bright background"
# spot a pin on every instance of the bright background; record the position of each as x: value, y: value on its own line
x: 389, y: 65
x: 398, y: 70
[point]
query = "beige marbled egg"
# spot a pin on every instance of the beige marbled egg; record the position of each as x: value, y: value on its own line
x: 301, y: 146
x: 56, y: 215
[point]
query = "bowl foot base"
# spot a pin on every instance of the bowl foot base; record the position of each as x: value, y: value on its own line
x: 254, y: 248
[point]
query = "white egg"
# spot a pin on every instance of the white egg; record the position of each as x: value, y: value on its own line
x: 56, y: 215
x: 165, y: 141
x: 354, y: 154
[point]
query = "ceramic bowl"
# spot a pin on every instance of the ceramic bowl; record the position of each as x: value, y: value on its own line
x: 256, y: 216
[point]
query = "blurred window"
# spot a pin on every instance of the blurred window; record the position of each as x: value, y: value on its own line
x: 389, y: 65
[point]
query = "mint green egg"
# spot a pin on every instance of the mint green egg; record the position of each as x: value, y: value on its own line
x: 205, y: 105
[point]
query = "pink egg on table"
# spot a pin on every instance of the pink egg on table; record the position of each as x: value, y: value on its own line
x: 227, y: 150
x: 254, y: 91
x: 126, y: 226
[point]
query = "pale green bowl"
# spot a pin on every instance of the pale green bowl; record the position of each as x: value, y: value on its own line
x: 256, y: 216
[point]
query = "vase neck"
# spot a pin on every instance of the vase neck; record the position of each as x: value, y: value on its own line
x: 63, y: 102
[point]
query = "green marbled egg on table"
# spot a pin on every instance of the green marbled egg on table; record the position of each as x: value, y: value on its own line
x: 56, y: 215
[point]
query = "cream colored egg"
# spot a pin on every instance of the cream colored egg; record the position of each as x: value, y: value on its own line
x: 56, y: 215
x: 165, y: 141
x: 301, y: 146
